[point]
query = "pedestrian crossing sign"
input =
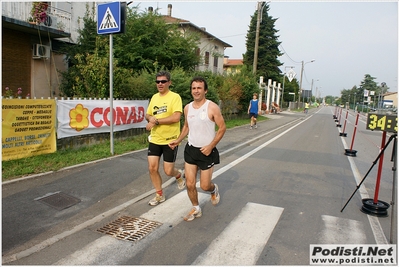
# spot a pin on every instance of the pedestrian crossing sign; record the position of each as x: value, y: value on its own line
x: 110, y: 18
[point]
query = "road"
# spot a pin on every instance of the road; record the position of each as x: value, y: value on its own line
x: 282, y: 188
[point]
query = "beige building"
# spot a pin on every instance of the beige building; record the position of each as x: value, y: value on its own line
x: 211, y: 49
x: 393, y: 96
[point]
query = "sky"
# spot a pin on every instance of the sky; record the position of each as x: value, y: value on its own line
x: 346, y: 40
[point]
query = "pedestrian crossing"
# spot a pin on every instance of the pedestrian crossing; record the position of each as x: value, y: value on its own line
x: 244, y: 239
x: 240, y: 243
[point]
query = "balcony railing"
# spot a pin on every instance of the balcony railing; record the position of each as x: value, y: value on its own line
x: 59, y: 19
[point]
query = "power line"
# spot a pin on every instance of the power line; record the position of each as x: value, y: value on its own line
x: 285, y: 52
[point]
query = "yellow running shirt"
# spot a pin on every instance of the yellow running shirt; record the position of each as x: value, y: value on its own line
x: 162, y: 107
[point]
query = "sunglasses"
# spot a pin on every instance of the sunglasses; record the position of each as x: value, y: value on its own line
x: 161, y: 81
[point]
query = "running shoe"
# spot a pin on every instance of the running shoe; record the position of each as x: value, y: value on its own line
x: 181, y: 183
x: 156, y: 200
x: 215, y: 197
x: 194, y: 213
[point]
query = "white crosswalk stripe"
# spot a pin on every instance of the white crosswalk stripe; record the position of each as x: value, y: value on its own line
x: 240, y: 243
x: 342, y: 231
x: 247, y: 233
x: 244, y: 239
x: 109, y: 250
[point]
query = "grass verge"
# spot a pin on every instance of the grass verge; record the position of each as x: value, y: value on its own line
x: 64, y: 158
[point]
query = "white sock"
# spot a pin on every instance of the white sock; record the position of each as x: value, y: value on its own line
x: 197, y: 208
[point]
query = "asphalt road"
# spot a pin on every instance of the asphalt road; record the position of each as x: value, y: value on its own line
x: 282, y: 185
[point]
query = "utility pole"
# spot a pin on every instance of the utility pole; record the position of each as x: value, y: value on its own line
x: 300, y: 83
x: 300, y: 86
x: 259, y: 18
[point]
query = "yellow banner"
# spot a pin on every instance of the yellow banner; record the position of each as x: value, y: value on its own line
x: 28, y: 127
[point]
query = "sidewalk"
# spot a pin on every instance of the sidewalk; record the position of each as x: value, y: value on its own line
x: 103, y: 188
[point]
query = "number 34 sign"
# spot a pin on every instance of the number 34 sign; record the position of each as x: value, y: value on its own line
x: 382, y: 122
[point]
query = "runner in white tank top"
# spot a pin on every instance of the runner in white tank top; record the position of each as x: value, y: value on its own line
x: 200, y: 152
x: 202, y: 129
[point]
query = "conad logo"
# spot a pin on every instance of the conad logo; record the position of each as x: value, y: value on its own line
x: 81, y: 117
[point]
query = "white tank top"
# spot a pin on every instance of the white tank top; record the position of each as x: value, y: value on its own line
x: 201, y: 128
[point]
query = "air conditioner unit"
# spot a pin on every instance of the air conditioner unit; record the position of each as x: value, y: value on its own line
x: 41, y: 51
x: 51, y: 21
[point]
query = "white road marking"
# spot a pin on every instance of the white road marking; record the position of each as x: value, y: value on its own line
x: 108, y: 250
x: 244, y: 238
x: 342, y: 231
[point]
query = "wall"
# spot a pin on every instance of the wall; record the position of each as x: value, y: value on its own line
x: 16, y: 60
x: 91, y: 139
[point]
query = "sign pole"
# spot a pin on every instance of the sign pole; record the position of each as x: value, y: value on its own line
x: 111, y: 18
x: 111, y: 95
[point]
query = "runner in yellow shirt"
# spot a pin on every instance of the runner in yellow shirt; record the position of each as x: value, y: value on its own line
x: 163, y: 116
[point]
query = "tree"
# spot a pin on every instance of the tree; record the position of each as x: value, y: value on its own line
x: 268, y: 51
x: 150, y: 43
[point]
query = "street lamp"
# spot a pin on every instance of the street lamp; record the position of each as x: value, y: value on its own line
x: 282, y: 94
x: 311, y: 91
x: 300, y: 83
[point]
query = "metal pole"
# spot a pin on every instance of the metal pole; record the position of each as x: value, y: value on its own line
x: 394, y: 215
x: 311, y: 91
x: 111, y: 95
x: 354, y: 101
x: 300, y: 85
x: 282, y: 94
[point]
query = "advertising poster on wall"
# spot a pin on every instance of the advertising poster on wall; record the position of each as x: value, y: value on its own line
x: 81, y: 117
x: 28, y: 127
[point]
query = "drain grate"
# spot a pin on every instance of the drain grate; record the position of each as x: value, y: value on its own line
x: 59, y: 200
x: 129, y: 228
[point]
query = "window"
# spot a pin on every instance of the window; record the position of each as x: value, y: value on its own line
x: 215, y: 61
x: 206, y: 58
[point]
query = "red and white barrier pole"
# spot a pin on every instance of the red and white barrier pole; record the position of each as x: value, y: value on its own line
x: 339, y: 118
x: 381, y: 161
x: 351, y: 152
x: 335, y: 113
x: 343, y: 131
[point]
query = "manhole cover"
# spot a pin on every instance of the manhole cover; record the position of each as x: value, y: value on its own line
x: 129, y: 228
x: 59, y: 200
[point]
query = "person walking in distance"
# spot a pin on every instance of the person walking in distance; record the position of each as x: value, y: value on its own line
x: 200, y: 115
x: 306, y: 108
x: 253, y: 110
x: 163, y: 117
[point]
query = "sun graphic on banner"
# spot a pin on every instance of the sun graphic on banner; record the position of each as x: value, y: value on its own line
x: 79, y: 118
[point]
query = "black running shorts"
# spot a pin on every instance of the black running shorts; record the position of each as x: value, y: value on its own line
x: 169, y: 155
x: 193, y: 155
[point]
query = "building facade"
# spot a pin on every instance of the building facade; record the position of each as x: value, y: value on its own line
x: 30, y: 49
x: 31, y: 56
x: 210, y: 48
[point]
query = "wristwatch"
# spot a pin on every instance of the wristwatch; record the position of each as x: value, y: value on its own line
x: 156, y: 122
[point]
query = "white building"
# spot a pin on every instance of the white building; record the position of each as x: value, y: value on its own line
x: 211, y: 49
